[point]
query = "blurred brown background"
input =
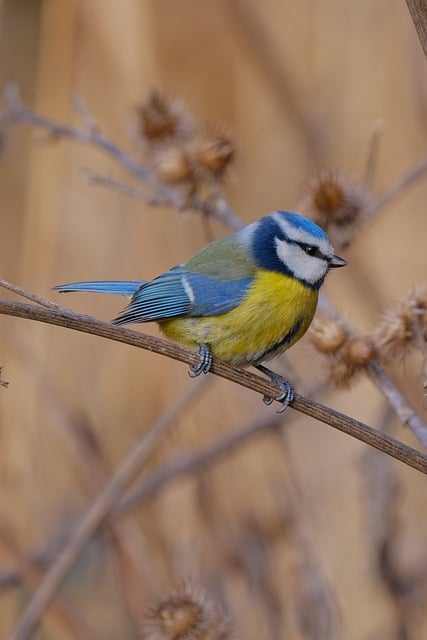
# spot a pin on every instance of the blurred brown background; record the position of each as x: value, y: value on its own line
x: 285, y: 532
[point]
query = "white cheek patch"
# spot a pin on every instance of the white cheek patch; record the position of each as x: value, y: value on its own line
x: 303, y: 267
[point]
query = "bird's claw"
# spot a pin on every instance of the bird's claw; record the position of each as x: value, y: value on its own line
x: 285, y: 387
x: 204, y: 364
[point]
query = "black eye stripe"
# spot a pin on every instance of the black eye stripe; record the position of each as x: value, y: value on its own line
x: 311, y: 250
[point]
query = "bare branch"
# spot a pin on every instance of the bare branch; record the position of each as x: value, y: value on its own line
x: 371, y: 161
x: 28, y: 295
x: 18, y: 112
x: 418, y: 11
x: 402, y: 184
x: 109, y: 182
x: 86, y: 324
x: 187, y: 465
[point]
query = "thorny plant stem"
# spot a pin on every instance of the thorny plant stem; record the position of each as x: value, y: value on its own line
x: 397, y: 188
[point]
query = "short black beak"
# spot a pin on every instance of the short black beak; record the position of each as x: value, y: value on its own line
x: 336, y: 261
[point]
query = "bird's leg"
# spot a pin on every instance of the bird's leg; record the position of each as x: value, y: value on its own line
x: 204, y: 364
x: 287, y: 394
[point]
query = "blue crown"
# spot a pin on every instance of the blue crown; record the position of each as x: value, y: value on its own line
x: 305, y: 224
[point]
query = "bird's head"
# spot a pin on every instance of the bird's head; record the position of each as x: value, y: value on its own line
x: 291, y: 244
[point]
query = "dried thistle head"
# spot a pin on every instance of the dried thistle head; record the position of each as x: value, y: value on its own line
x: 350, y: 361
x: 214, y: 153
x: 203, y: 160
x: 346, y: 356
x: 174, y: 164
x: 402, y: 327
x: 327, y: 335
x: 161, y: 117
x: 360, y: 351
x: 394, y: 334
x: 337, y: 204
x: 186, y: 613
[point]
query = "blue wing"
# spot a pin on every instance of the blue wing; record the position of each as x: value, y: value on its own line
x: 180, y: 292
x: 122, y: 287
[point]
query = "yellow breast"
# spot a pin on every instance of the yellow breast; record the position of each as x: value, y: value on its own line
x: 276, y: 312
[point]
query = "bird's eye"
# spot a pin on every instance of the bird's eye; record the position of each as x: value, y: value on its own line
x: 310, y: 250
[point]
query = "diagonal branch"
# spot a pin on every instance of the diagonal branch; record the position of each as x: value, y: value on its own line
x: 418, y: 11
x: 86, y: 324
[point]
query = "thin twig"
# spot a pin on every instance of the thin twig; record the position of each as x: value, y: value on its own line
x: 100, y: 180
x: 28, y: 295
x: 418, y: 11
x: 18, y: 112
x: 182, y: 465
x: 399, y: 186
x: 371, y: 161
x: 339, y: 421
x: 96, y: 514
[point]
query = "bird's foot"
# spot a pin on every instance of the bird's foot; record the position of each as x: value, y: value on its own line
x: 204, y: 364
x: 285, y: 387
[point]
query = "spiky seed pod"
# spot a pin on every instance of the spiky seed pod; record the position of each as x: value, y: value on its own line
x: 161, y: 118
x: 360, y: 351
x: 402, y: 327
x: 350, y: 360
x: 393, y: 336
x: 186, y: 613
x: 174, y: 164
x: 327, y: 335
x: 341, y: 372
x: 337, y: 204
x: 214, y: 153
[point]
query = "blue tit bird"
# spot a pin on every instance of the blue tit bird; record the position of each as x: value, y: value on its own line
x: 244, y: 298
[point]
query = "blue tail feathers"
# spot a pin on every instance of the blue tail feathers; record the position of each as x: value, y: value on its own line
x: 120, y: 287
